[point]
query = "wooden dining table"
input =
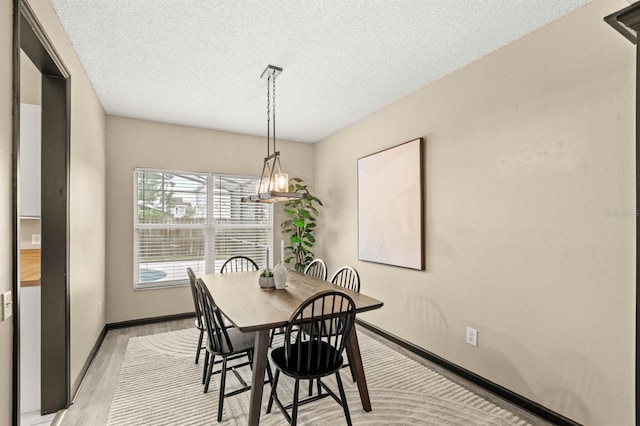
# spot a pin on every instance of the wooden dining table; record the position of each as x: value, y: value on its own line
x: 254, y: 309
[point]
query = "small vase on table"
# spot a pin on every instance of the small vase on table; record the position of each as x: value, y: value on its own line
x: 280, y: 276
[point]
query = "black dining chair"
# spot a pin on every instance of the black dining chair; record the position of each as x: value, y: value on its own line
x: 347, y: 277
x: 227, y: 343
x: 238, y: 264
x: 317, y: 269
x: 197, y: 304
x: 328, y: 316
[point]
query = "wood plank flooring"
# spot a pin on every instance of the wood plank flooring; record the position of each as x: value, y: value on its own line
x: 93, y: 401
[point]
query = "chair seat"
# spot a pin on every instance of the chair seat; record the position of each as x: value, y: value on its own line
x: 240, y: 341
x: 226, y: 322
x: 330, y: 360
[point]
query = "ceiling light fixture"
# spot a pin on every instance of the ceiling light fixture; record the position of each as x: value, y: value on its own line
x: 273, y: 186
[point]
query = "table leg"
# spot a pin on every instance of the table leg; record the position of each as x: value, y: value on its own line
x: 355, y: 360
x: 257, y: 381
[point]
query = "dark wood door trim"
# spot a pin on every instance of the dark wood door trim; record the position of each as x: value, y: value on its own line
x: 15, y: 221
x: 29, y: 35
x: 37, y: 45
x: 55, y: 340
x: 626, y: 21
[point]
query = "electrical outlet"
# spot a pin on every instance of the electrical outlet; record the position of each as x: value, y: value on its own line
x: 472, y: 336
x: 7, y: 305
x: 35, y: 239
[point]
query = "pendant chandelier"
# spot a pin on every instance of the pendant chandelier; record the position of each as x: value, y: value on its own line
x: 273, y: 186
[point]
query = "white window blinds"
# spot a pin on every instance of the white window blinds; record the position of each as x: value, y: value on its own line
x: 189, y: 219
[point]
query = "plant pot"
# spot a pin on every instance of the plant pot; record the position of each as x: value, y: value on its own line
x: 266, y: 282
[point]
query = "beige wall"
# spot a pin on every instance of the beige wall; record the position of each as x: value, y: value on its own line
x: 530, y: 217
x: 6, y: 235
x: 137, y: 143
x: 30, y: 81
x: 529, y: 212
x: 87, y: 193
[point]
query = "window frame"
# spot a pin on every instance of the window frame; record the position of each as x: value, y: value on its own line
x: 209, y: 227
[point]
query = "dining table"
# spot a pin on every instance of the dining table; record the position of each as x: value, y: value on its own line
x: 251, y: 308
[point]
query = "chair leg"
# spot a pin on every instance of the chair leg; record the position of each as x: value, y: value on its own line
x: 311, y: 387
x: 206, y: 366
x: 199, y: 345
x: 269, y: 374
x: 209, y: 373
x: 222, y: 382
x: 274, y: 385
x: 345, y: 407
x: 294, y: 411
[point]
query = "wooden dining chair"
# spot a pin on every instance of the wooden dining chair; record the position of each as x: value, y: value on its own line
x: 317, y: 269
x: 238, y: 264
x: 227, y: 343
x: 328, y: 316
x: 347, y: 277
x: 197, y: 304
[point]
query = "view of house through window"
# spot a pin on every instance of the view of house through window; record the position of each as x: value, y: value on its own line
x: 184, y: 219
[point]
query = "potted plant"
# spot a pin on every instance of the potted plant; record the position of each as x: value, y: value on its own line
x: 266, y: 279
x: 303, y: 214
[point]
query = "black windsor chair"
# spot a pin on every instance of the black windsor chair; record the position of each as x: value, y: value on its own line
x: 197, y: 304
x: 238, y: 264
x: 317, y: 269
x: 328, y: 316
x: 227, y: 343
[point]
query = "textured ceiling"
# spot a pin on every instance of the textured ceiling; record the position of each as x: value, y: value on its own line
x: 198, y: 62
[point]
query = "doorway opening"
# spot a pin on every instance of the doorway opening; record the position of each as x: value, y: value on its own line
x: 54, y: 80
x: 30, y: 241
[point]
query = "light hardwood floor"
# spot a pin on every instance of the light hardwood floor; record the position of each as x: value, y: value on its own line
x: 93, y: 401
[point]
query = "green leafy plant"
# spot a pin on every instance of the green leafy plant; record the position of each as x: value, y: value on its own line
x: 266, y: 273
x: 303, y: 214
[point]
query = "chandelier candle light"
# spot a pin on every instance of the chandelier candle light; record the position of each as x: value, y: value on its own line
x: 273, y: 186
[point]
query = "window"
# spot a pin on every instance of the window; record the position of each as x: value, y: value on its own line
x: 184, y: 219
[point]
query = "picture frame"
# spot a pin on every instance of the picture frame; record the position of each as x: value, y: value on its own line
x: 391, y: 206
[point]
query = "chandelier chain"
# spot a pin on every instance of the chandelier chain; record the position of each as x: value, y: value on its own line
x: 268, y: 116
x: 274, y: 111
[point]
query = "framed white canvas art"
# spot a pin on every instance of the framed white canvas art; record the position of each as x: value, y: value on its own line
x: 390, y: 206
